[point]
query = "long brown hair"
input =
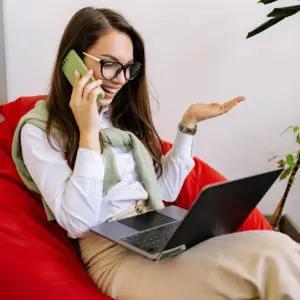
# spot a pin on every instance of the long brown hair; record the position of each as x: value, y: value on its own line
x: 130, y: 107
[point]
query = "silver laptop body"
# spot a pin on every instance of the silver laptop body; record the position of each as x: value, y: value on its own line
x: 219, y: 209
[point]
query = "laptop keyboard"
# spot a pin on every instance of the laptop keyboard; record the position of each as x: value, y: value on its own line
x: 152, y: 240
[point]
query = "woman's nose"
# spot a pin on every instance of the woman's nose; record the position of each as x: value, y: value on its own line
x: 120, y: 78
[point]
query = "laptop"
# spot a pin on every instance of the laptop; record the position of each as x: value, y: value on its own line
x: 219, y: 209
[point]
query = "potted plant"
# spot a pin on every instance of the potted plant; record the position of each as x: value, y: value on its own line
x: 291, y: 161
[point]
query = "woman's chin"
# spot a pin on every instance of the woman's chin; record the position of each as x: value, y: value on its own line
x: 105, y: 101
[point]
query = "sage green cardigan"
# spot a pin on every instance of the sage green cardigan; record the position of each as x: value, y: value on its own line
x: 114, y: 137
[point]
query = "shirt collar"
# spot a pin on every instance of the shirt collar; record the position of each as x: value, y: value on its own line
x: 105, y: 111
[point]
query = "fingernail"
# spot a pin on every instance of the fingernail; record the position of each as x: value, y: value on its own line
x: 76, y: 73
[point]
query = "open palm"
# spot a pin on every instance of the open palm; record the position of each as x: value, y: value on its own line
x: 201, y: 111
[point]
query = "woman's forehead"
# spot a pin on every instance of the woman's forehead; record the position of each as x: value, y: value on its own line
x: 116, y: 44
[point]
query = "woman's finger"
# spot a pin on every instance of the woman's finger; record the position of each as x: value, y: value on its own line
x: 231, y: 103
x: 94, y: 94
x: 78, y: 88
x: 76, y: 79
x: 89, y: 88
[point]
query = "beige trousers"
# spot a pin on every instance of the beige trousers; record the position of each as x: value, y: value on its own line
x: 244, y: 265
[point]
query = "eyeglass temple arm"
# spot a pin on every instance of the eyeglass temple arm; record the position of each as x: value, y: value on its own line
x: 91, y: 56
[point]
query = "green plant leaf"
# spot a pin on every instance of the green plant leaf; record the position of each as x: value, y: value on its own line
x: 285, y: 173
x: 290, y: 160
x: 285, y: 130
x: 266, y: 1
x: 277, y: 15
x: 264, y: 26
x: 295, y: 129
x: 286, y: 11
x: 298, y: 138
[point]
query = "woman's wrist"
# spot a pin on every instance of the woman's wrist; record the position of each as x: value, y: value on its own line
x: 188, y: 121
x: 90, y: 140
x: 188, y: 124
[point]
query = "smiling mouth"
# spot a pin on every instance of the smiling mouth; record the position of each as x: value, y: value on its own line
x: 109, y: 91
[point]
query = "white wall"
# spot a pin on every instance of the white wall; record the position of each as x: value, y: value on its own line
x: 3, y: 84
x: 196, y: 51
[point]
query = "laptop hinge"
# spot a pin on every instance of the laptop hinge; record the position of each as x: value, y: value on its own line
x: 171, y: 252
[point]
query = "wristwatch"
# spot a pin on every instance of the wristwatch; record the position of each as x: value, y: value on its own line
x: 191, y: 131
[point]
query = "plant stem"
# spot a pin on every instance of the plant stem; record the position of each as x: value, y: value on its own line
x: 278, y: 212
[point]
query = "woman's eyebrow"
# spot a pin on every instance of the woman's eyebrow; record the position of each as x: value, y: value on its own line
x: 114, y: 58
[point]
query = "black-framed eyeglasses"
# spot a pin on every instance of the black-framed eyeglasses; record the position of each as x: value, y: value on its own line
x: 111, y: 69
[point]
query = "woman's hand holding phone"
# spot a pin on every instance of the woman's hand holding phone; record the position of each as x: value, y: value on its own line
x: 83, y: 104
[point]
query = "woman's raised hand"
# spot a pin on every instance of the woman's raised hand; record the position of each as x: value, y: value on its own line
x: 201, y: 111
x: 83, y: 103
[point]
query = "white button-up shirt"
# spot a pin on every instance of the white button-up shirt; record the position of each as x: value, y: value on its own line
x: 76, y: 197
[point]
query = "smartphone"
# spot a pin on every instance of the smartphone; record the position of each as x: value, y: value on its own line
x: 73, y: 62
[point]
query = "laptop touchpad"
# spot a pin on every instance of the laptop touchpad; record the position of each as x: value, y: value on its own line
x: 146, y: 221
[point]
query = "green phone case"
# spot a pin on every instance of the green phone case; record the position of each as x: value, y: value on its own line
x: 73, y: 62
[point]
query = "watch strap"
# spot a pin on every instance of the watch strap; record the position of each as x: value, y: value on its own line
x: 183, y: 129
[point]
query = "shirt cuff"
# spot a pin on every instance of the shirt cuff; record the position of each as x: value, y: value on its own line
x: 88, y: 163
x: 183, y: 144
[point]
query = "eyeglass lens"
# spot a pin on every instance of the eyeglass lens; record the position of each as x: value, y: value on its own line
x: 112, y: 69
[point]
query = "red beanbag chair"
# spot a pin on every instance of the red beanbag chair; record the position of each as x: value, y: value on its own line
x: 37, y: 259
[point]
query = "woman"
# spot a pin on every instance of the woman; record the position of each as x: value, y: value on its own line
x: 99, y: 180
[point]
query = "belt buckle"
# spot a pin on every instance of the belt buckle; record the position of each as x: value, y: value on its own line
x: 140, y: 205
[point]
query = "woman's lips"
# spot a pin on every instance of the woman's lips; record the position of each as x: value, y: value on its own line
x: 109, y: 91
